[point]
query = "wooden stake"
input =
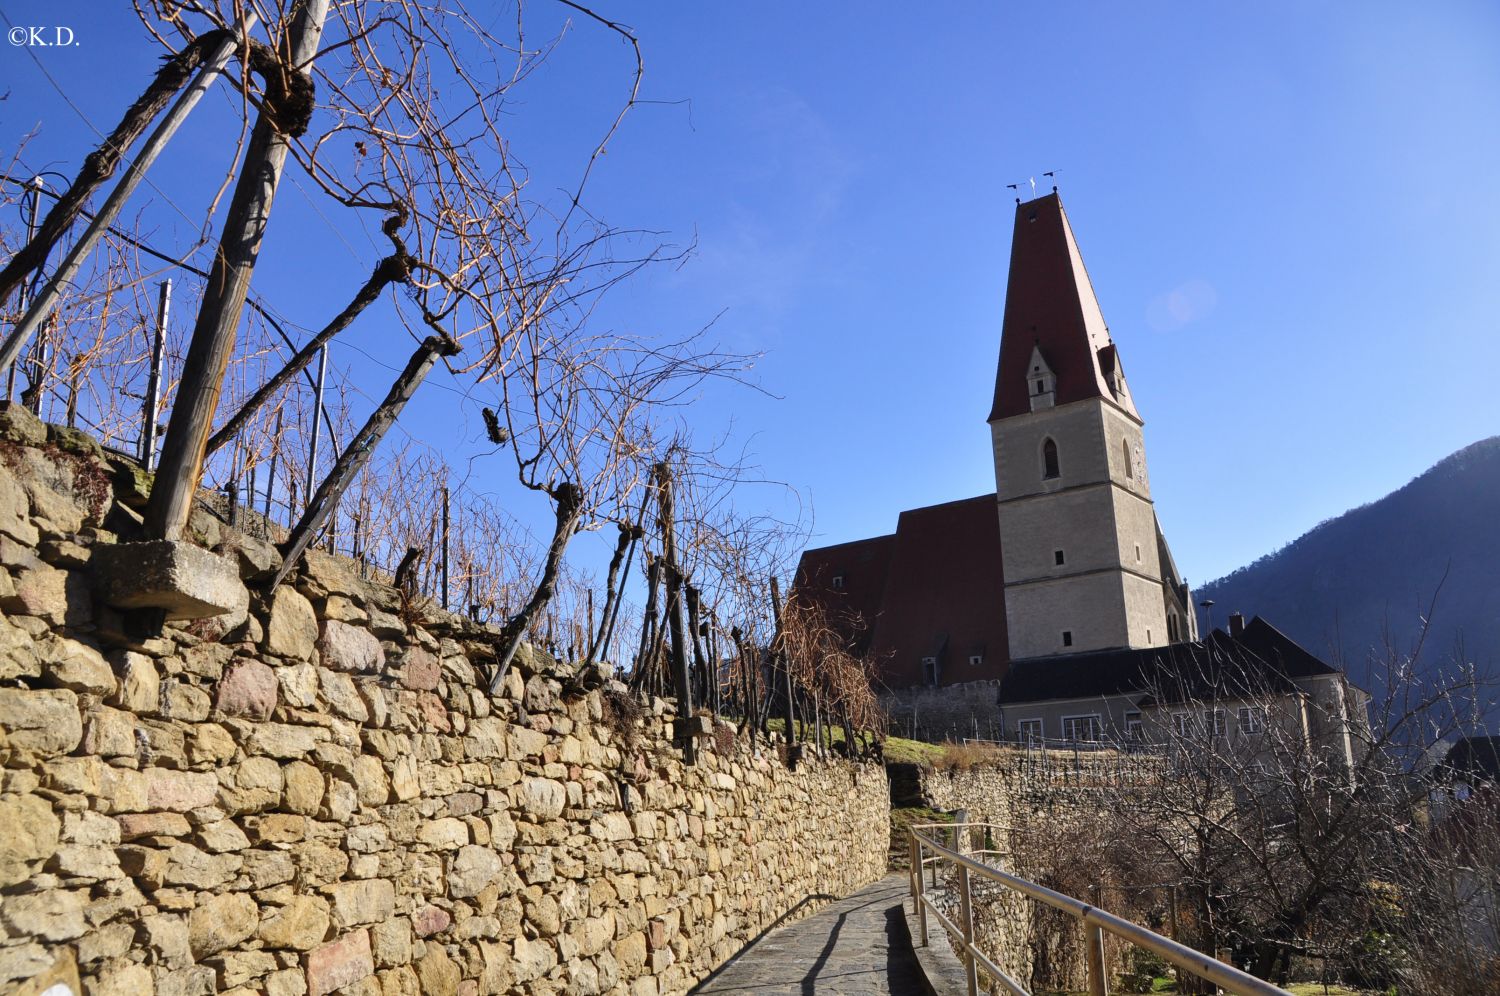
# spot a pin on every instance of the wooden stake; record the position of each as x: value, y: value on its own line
x: 700, y: 665
x: 223, y: 297
x: 153, y: 376
x: 778, y: 654
x: 648, y: 622
x: 681, y: 679
x: 312, y: 445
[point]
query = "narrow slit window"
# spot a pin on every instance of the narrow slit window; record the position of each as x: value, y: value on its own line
x: 1050, y: 467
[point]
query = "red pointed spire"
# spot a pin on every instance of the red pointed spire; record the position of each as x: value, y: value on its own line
x: 1050, y: 306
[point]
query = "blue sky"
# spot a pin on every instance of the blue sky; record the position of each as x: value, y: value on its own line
x: 1290, y: 212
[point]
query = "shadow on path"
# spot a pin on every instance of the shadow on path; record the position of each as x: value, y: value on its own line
x: 857, y: 945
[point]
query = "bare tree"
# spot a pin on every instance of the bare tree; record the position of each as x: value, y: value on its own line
x: 1282, y: 816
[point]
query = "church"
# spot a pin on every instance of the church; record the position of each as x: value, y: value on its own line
x: 1052, y: 608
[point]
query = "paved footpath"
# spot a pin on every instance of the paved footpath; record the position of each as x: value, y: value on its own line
x: 857, y: 946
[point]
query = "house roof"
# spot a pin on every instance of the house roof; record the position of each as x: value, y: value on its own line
x: 1050, y: 306
x: 934, y: 588
x: 1474, y: 759
x: 1261, y: 660
x: 1276, y: 648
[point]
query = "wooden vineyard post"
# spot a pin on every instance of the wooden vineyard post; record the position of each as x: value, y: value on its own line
x: 224, y: 297
x: 680, y: 678
x: 778, y: 654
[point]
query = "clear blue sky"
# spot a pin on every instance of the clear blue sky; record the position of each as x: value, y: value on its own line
x: 1291, y: 214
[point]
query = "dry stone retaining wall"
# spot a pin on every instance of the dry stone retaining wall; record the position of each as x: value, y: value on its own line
x: 948, y: 712
x: 313, y: 794
x: 1034, y: 798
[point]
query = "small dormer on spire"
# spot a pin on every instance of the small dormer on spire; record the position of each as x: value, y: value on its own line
x: 1042, y: 381
x: 1114, y: 375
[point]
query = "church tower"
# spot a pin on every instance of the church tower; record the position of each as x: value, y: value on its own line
x: 1086, y: 566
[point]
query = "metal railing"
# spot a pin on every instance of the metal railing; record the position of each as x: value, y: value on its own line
x: 928, y: 851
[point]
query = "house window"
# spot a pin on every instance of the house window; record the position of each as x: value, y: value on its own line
x: 976, y: 659
x: 1182, y: 723
x: 1133, y: 727
x: 1083, y: 729
x: 1213, y: 720
x: 1125, y: 448
x: 1067, y: 637
x: 1049, y: 460
x: 838, y: 582
x: 1252, y: 719
x: 1029, y: 731
x: 1057, y: 555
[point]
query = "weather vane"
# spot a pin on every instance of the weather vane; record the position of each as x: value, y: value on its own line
x: 1032, y: 180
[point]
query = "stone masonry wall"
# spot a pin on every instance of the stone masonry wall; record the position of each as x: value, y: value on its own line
x: 991, y: 793
x: 315, y: 793
x: 1035, y: 798
x: 948, y: 712
x: 1025, y: 789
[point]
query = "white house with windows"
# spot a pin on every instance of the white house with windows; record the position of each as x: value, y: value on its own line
x: 1233, y: 684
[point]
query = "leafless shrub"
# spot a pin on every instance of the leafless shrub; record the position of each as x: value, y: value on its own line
x: 1310, y: 845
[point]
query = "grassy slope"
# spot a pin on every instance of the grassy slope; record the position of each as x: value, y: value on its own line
x: 896, y: 748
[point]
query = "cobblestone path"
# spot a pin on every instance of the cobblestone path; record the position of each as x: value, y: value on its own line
x: 857, y: 946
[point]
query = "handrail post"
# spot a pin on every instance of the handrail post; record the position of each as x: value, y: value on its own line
x: 1093, y: 943
x: 914, y: 872
x: 966, y: 912
x: 921, y: 898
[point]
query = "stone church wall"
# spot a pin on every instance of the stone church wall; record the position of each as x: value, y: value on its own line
x: 318, y: 793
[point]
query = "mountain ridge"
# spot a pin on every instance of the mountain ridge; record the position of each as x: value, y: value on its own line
x: 1359, y: 585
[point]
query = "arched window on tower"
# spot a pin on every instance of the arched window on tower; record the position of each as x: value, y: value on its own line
x: 1049, y: 459
x: 1129, y: 464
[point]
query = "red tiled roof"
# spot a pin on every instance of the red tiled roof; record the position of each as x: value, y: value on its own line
x: 934, y: 589
x: 861, y: 567
x: 1049, y: 304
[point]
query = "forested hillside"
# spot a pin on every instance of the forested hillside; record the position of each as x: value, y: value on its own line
x: 1372, y: 573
